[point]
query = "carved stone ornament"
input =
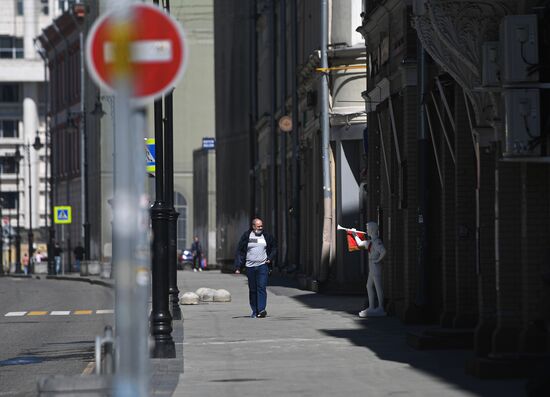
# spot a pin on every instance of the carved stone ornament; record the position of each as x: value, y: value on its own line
x: 453, y: 32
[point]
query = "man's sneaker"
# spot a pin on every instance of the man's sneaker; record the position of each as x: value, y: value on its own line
x: 194, y: 270
x: 200, y: 270
x: 262, y: 314
x: 363, y: 313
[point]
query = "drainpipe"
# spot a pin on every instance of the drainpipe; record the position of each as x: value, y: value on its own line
x: 282, y: 149
x: 295, y: 137
x: 422, y: 142
x: 273, y: 124
x: 325, y: 153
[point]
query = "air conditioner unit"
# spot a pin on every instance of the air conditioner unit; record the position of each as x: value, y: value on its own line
x: 519, y: 48
x: 522, y: 127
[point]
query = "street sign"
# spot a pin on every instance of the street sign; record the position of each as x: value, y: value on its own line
x: 62, y: 214
x: 158, y: 52
x: 150, y: 155
x: 208, y: 143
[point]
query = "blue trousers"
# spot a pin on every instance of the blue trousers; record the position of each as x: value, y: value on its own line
x: 257, y: 282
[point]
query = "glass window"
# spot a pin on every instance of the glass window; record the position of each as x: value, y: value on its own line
x: 8, y: 165
x: 44, y: 8
x: 11, y: 47
x: 180, y: 205
x: 8, y: 200
x: 9, y: 128
x: 9, y: 93
x: 19, y: 7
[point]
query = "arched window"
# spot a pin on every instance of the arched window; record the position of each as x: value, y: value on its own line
x: 180, y: 205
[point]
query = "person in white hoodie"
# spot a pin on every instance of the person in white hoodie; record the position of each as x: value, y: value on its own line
x: 375, y: 247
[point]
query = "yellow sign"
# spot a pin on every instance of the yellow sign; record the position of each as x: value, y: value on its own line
x: 62, y: 214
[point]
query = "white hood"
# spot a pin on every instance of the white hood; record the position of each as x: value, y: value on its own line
x: 372, y: 229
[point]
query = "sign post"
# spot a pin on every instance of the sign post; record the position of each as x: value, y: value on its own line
x: 138, y: 53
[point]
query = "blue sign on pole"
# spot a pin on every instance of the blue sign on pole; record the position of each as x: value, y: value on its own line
x: 208, y: 143
x: 150, y: 155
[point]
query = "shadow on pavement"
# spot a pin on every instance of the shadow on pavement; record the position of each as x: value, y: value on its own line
x: 386, y: 337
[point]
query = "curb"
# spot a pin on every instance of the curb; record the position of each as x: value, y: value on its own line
x: 17, y: 275
x: 82, y: 279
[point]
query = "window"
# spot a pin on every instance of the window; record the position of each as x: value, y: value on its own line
x: 180, y: 205
x: 8, y: 200
x: 9, y: 93
x: 8, y: 165
x: 11, y: 47
x: 64, y: 5
x: 44, y: 8
x: 9, y: 128
x: 19, y: 7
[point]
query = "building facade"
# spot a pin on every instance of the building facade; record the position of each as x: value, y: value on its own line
x: 458, y: 173
x: 194, y: 110
x: 23, y: 114
x: 268, y: 70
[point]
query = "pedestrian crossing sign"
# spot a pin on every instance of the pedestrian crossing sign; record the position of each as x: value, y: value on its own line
x: 62, y: 214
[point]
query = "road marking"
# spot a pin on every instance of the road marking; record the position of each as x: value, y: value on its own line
x: 37, y: 313
x: 79, y: 312
x: 89, y: 368
x: 60, y: 313
x: 15, y: 314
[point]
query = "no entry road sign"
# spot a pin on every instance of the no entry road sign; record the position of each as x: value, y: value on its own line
x: 157, y: 52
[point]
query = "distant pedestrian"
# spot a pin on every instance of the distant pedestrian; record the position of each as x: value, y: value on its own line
x: 256, y: 251
x: 196, y: 250
x: 57, y: 257
x: 78, y: 256
x: 25, y: 263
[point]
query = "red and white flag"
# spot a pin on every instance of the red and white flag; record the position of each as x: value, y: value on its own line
x: 352, y: 244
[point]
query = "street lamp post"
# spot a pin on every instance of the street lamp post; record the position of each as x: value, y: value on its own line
x: 37, y: 145
x: 17, y: 157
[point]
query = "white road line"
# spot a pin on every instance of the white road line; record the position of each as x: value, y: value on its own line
x: 15, y: 314
x: 89, y: 369
x: 106, y: 311
x: 60, y: 313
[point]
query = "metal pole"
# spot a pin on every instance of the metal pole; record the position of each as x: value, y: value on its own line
x: 173, y: 291
x: 161, y: 320
x: 30, y: 235
x: 130, y: 220
x: 325, y: 150
x: 17, y: 231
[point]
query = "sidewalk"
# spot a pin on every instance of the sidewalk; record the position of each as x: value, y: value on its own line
x: 309, y: 345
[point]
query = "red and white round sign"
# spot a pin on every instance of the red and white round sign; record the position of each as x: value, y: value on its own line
x: 158, y: 52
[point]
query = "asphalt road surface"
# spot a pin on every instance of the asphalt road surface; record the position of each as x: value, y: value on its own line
x: 48, y: 327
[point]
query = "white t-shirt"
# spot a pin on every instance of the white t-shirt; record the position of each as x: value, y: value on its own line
x: 256, y: 252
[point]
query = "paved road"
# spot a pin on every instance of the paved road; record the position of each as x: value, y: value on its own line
x: 48, y: 327
x: 310, y: 345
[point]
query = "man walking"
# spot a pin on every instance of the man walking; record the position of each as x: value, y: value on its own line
x: 257, y: 251
x: 196, y: 249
